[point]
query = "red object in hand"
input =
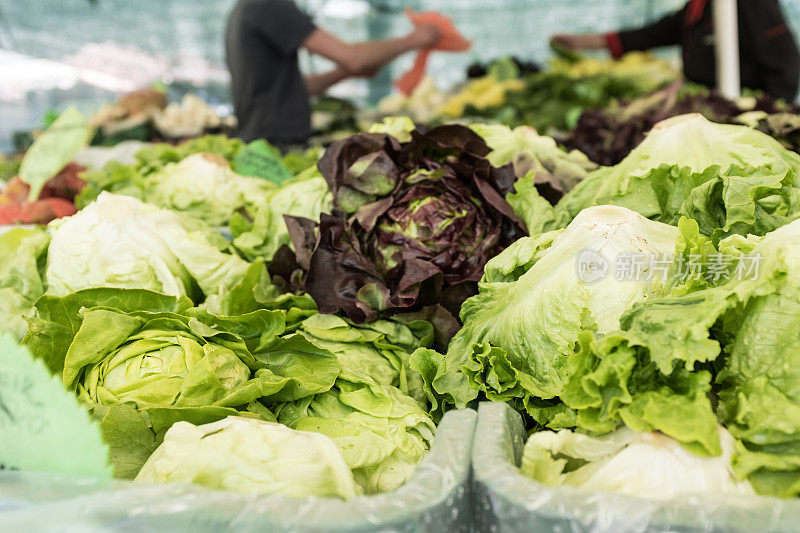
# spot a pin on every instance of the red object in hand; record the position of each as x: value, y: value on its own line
x: 450, y: 40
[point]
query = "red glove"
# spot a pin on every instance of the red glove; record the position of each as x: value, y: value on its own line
x: 450, y: 40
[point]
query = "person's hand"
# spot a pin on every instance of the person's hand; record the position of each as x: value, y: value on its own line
x: 425, y: 35
x: 568, y: 41
x: 368, y: 73
x: 576, y: 43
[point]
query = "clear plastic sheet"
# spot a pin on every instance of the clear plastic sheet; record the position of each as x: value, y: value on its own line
x: 436, y: 499
x: 506, y: 501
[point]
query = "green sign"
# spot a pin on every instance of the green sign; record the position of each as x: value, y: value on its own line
x: 259, y: 159
x: 42, y: 425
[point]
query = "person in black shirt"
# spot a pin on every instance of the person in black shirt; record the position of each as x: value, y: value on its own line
x: 270, y: 95
x: 768, y: 53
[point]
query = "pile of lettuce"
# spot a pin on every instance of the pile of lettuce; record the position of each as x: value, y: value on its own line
x: 212, y: 177
x: 143, y: 361
x: 553, y: 100
x: 412, y: 226
x: 678, y: 319
x: 608, y: 135
x: 730, y: 179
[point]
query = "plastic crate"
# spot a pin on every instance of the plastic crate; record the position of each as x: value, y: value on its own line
x: 506, y: 501
x: 436, y: 499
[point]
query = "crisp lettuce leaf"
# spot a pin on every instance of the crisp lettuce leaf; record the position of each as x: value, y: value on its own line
x: 220, y: 456
x: 121, y: 242
x: 643, y: 465
x: 306, y: 195
x: 732, y: 179
x: 23, y: 253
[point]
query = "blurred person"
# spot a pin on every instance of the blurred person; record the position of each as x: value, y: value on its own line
x: 768, y: 53
x: 270, y: 95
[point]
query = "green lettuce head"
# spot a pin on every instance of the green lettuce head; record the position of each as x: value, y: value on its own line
x: 121, y: 242
x: 251, y: 456
x: 555, y: 170
x: 382, y: 433
x: 142, y: 361
x: 730, y: 179
x: 204, y: 186
x: 306, y: 195
x: 535, y: 299
x: 169, y: 366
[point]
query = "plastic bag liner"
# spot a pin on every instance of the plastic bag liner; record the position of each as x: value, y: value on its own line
x: 506, y: 501
x: 435, y: 499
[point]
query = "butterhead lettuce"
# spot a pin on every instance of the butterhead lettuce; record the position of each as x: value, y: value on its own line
x: 250, y: 456
x: 121, y: 242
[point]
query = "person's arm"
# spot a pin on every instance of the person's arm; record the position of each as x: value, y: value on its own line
x: 319, y: 83
x: 365, y: 57
x: 774, y: 47
x: 664, y: 32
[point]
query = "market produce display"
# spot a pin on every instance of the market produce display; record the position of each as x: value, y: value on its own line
x: 298, y: 324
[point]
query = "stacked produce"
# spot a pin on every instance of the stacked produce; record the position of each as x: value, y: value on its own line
x: 146, y: 115
x: 678, y: 320
x: 551, y: 100
x: 638, y: 314
x: 608, y: 135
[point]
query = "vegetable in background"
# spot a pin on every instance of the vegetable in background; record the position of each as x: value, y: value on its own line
x: 608, y: 135
x: 250, y: 456
x: 55, y: 198
x: 53, y: 150
x: 553, y: 100
x: 121, y: 242
x: 555, y: 171
x: 424, y: 217
x: 731, y: 179
x: 642, y: 465
x: 132, y: 180
x: 204, y: 186
x: 307, y: 195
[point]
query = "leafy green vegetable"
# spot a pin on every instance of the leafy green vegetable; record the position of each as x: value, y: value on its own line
x: 22, y: 262
x: 306, y: 195
x: 204, y: 186
x: 169, y: 363
x: 643, y: 465
x: 381, y: 432
x: 120, y: 242
x: 130, y: 179
x: 297, y: 161
x: 733, y: 180
x: 398, y: 127
x: 54, y: 149
x: 554, y: 169
x: 535, y: 298
x: 251, y: 456
x: 261, y: 160
x: 156, y: 156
